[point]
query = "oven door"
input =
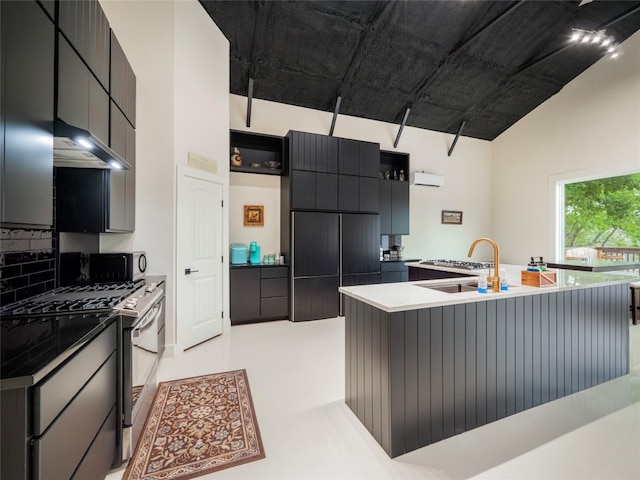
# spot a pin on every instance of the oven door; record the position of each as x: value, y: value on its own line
x: 140, y: 362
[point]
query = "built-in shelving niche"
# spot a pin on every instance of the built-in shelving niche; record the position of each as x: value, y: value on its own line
x: 394, y: 162
x: 257, y: 151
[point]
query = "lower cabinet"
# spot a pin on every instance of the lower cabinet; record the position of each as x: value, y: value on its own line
x: 259, y: 293
x: 391, y: 272
x: 64, y: 427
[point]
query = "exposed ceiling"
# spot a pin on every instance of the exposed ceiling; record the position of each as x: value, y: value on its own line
x: 487, y: 63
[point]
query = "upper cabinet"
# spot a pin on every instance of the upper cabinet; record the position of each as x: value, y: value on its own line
x: 394, y: 193
x: 123, y: 82
x: 26, y: 116
x: 85, y: 25
x: 82, y: 100
x: 332, y: 174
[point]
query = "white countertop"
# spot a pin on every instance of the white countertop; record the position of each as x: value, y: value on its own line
x: 397, y: 297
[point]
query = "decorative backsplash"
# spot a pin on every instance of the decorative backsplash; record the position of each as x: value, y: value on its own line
x: 27, y: 263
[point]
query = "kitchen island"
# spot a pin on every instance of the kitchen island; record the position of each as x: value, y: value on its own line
x: 423, y: 364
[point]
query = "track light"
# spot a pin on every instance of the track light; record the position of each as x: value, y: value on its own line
x: 599, y: 38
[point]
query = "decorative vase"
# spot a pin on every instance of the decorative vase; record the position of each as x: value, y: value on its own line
x: 236, y: 159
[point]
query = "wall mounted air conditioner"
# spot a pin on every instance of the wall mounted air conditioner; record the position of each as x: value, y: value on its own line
x: 427, y: 179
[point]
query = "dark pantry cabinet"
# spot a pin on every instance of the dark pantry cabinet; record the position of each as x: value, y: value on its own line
x: 26, y: 116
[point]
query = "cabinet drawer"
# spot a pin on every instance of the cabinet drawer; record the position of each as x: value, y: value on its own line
x: 274, y: 272
x: 393, y: 267
x: 52, y: 395
x: 273, y: 287
x: 276, y: 307
x: 97, y: 462
x: 393, y: 277
x: 59, y: 451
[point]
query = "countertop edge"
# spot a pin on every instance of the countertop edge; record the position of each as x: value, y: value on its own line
x: 31, y: 380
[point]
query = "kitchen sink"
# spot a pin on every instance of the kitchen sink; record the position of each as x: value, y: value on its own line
x: 454, y: 287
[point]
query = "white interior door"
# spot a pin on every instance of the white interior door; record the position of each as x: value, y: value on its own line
x: 199, y: 256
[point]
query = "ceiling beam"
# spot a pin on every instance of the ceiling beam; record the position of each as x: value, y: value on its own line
x: 335, y: 115
x: 249, y: 99
x: 404, y: 122
x: 455, y: 140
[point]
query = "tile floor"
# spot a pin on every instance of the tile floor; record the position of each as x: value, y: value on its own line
x: 296, y: 375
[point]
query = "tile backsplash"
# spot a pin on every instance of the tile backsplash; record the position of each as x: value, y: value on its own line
x: 27, y: 263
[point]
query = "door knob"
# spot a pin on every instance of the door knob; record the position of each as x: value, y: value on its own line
x: 188, y: 271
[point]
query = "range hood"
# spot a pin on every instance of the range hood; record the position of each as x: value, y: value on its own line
x: 77, y: 148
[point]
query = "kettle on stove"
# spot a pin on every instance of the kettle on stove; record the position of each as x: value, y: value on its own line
x: 254, y: 253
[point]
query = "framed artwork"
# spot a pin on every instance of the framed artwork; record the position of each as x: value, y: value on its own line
x: 254, y: 216
x: 452, y: 217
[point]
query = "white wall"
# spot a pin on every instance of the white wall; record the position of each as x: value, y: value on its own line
x: 591, y: 128
x: 181, y: 63
x: 467, y: 172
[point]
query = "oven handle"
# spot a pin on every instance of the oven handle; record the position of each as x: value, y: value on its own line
x: 150, y: 318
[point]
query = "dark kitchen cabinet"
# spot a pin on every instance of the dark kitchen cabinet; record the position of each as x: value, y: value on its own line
x: 313, y: 190
x: 259, y: 293
x: 391, y: 272
x: 65, y: 425
x: 315, y: 298
x: 357, y: 183
x: 123, y: 82
x: 122, y: 191
x: 90, y: 200
x: 394, y: 194
x: 360, y: 244
x: 82, y: 100
x: 313, y: 152
x: 316, y: 239
x: 85, y: 26
x: 394, y: 207
x: 26, y: 116
x: 244, y: 294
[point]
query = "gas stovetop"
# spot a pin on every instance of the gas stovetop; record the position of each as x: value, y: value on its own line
x: 74, y: 299
x: 458, y: 264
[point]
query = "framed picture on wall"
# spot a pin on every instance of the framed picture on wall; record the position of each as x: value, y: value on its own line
x: 254, y: 216
x: 452, y: 217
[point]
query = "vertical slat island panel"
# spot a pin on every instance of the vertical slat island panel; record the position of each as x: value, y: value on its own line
x: 419, y: 376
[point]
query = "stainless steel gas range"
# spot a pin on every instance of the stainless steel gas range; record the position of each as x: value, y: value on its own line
x: 140, y: 308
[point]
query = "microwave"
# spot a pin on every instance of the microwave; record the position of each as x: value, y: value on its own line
x: 117, y: 267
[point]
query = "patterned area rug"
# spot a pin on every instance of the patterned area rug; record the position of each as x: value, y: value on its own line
x: 197, y: 426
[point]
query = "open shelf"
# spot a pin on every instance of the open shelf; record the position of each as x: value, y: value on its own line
x: 257, y: 152
x: 394, y: 162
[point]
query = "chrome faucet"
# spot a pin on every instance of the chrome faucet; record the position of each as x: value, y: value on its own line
x: 495, y: 279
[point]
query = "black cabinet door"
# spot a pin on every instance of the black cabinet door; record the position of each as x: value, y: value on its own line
x: 82, y: 102
x: 400, y: 208
x: 369, y: 196
x: 122, y: 182
x: 360, y: 243
x: 85, y: 25
x: 244, y: 294
x: 123, y: 81
x: 81, y: 201
x: 384, y: 206
x: 26, y: 116
x: 369, y: 159
x: 326, y: 191
x: 316, y: 298
x: 316, y: 244
x: 303, y: 190
x: 313, y: 152
x: 349, y: 157
x: 348, y: 193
